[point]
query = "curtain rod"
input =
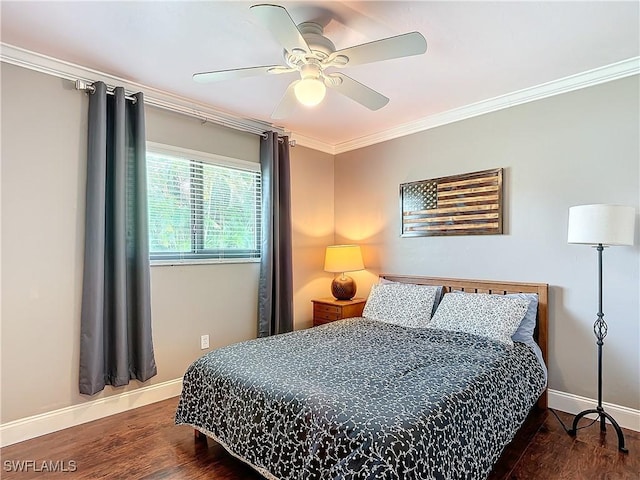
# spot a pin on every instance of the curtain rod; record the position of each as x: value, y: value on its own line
x: 87, y: 86
x: 292, y: 143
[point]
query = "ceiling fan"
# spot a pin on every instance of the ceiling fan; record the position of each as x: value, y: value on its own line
x: 309, y: 52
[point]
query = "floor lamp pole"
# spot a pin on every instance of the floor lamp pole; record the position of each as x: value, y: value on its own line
x: 600, y: 331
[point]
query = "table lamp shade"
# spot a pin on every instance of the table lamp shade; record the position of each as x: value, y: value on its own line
x: 343, y: 258
x: 601, y: 224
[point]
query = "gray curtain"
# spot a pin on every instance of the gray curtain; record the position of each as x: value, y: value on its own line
x: 115, y: 343
x: 275, y: 294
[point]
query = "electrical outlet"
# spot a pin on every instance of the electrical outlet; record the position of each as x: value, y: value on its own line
x: 204, y: 342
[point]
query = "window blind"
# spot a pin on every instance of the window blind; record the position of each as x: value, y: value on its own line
x: 200, y: 210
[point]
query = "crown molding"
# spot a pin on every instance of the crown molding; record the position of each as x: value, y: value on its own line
x: 159, y: 98
x: 586, y: 79
x: 152, y: 96
x: 313, y: 143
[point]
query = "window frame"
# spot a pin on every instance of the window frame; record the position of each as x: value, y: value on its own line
x: 203, y: 256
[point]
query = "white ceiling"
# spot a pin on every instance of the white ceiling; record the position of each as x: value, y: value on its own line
x: 476, y: 51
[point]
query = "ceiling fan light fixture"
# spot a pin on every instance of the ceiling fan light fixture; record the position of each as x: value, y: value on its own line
x: 310, y: 91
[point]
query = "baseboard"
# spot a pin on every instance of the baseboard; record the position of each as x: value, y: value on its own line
x: 567, y: 402
x: 37, y: 425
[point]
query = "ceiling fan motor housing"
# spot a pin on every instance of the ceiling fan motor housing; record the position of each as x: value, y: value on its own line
x: 320, y: 45
x: 312, y: 65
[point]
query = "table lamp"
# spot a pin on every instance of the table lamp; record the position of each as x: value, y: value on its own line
x: 340, y: 259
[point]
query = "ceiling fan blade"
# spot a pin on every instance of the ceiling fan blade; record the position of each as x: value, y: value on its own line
x: 287, y: 103
x: 357, y: 91
x: 206, y: 77
x: 277, y: 20
x: 404, y: 45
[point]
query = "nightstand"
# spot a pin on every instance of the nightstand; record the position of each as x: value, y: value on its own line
x: 326, y: 310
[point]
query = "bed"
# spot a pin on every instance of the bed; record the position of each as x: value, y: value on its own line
x: 367, y: 399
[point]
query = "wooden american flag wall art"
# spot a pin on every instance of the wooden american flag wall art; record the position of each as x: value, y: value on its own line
x: 467, y: 204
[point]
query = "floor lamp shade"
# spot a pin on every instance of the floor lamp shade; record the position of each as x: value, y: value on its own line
x: 340, y: 259
x: 601, y: 224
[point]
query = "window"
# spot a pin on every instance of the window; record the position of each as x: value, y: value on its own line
x: 202, y: 206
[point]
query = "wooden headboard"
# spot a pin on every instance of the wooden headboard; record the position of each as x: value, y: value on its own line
x: 497, y: 288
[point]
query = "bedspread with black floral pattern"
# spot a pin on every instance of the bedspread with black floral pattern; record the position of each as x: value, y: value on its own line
x: 361, y: 399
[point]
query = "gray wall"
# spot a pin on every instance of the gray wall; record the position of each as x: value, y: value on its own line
x: 577, y: 148
x: 43, y: 190
x: 312, y: 228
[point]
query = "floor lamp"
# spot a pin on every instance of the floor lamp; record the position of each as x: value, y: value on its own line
x: 601, y: 225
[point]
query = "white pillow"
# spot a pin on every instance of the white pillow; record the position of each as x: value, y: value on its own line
x: 403, y: 304
x: 439, y: 292
x: 493, y: 316
x: 525, y: 330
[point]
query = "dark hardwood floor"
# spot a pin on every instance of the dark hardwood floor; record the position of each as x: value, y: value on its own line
x: 145, y: 444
